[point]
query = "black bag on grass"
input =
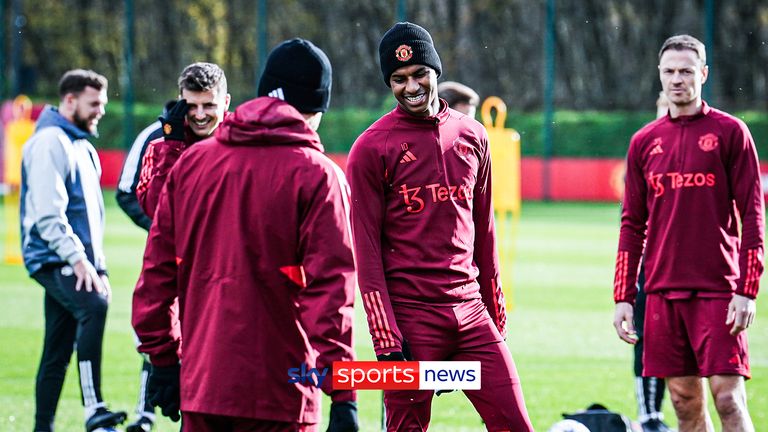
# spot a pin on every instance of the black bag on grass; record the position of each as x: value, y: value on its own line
x: 598, y: 418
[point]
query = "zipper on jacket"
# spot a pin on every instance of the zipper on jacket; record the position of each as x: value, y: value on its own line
x: 440, y: 159
x: 683, y: 148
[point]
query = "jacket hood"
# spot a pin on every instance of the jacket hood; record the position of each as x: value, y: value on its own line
x: 51, y: 117
x: 267, y: 121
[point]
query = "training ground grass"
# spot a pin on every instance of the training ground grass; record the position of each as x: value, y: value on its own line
x: 560, y: 331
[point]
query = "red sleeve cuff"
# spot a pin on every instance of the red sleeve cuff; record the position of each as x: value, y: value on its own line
x: 166, y: 359
x: 630, y: 300
x: 742, y: 293
x: 385, y: 351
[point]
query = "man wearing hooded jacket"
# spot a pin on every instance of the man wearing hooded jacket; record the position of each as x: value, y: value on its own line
x: 62, y: 233
x: 201, y: 106
x: 252, y: 234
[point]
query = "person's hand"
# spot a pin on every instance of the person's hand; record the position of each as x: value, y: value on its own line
x: 173, y: 120
x: 741, y: 313
x: 107, y: 287
x: 87, y: 277
x: 163, y: 390
x: 623, y: 322
x: 343, y: 417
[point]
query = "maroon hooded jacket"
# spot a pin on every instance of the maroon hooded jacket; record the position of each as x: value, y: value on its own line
x: 252, y: 234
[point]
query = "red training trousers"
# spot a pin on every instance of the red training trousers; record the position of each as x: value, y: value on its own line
x: 198, y: 422
x: 461, y: 332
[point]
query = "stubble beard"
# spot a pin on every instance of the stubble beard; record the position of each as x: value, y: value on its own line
x: 83, y: 124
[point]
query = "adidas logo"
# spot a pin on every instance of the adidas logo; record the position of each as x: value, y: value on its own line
x: 408, y: 157
x: 657, y: 150
x: 277, y: 93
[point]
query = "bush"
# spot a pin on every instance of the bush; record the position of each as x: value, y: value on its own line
x: 605, y: 134
x: 111, y: 127
x: 340, y: 128
x: 575, y: 134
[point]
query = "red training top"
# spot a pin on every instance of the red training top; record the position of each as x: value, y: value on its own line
x: 161, y: 155
x: 422, y: 217
x: 690, y: 182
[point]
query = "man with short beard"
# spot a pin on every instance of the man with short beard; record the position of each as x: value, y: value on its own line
x: 62, y: 226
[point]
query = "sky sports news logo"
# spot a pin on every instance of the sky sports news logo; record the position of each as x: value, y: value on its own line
x: 395, y: 375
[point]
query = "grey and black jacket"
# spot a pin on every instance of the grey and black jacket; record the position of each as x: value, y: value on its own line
x: 62, y: 209
x: 129, y: 175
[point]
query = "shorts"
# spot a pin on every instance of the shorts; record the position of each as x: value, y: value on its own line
x: 688, y: 337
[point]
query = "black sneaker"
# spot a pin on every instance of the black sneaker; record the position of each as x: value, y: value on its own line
x: 143, y: 424
x: 655, y: 425
x: 104, y: 418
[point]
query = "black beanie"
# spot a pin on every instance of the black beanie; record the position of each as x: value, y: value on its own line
x: 299, y: 73
x: 406, y: 44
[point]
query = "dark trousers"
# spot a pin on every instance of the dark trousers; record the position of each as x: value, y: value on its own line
x: 143, y: 406
x: 72, y: 319
x: 649, y: 390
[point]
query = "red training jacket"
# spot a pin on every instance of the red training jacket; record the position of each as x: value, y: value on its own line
x: 252, y: 234
x: 161, y: 155
x: 422, y: 217
x: 690, y: 182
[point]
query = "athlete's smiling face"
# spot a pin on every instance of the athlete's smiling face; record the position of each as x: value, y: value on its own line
x: 415, y: 88
x: 206, y: 109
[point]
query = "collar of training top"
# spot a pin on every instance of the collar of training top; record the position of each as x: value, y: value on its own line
x: 439, y: 118
x: 705, y: 109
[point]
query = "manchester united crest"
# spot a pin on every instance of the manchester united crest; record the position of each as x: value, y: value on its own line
x: 462, y: 148
x: 404, y: 53
x: 708, y: 142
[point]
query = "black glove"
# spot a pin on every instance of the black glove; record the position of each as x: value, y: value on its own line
x: 173, y: 120
x: 404, y: 355
x: 343, y: 417
x: 393, y: 356
x: 163, y: 390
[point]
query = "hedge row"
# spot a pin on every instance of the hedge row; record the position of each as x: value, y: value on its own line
x: 605, y: 134
x: 575, y: 134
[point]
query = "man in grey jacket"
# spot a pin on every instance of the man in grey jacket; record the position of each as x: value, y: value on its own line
x: 62, y: 224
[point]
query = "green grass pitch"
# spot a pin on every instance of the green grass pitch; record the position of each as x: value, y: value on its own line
x: 560, y: 331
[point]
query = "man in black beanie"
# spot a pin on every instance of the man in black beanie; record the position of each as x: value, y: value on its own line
x: 425, y: 242
x: 252, y: 235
